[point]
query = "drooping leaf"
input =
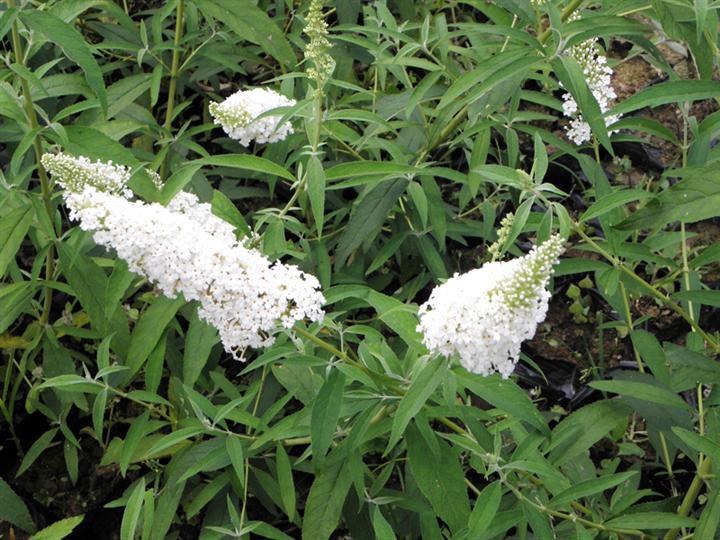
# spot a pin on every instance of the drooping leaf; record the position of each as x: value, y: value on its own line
x: 250, y: 22
x: 439, y: 477
x: 72, y: 43
x: 368, y: 216
x: 13, y: 509
x: 59, y: 529
x: 325, y: 501
x: 325, y: 415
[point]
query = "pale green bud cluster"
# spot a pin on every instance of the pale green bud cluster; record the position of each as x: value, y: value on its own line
x: 496, y: 250
x: 526, y: 287
x: 75, y: 174
x: 316, y: 52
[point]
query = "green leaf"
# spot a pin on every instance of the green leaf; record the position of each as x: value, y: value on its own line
x: 540, y: 163
x: 505, y: 395
x: 14, y: 299
x: 72, y: 43
x: 584, y: 427
x: 13, y: 227
x: 614, y: 200
x: 132, y: 441
x: 237, y: 457
x: 421, y: 388
x: 199, y: 341
x: 71, y: 383
x: 710, y: 517
x: 652, y: 353
x: 490, y: 74
x: 368, y: 216
x: 13, y: 509
x: 172, y: 439
x: 592, y: 486
x: 316, y: 191
x: 325, y: 415
x: 383, y: 530
x: 697, y: 442
x: 439, y: 477
x: 538, y: 522
x: 148, y: 331
x: 398, y: 316
x: 668, y: 92
x: 59, y: 529
x: 251, y: 23
x: 696, y: 197
x: 98, y: 413
x: 355, y: 169
x: 37, y: 448
x: 178, y: 180
x: 642, y: 391
x: 246, y: 162
x: 131, y: 515
x: 166, y: 510
x: 225, y: 209
x: 704, y: 297
x: 88, y: 282
x: 650, y: 521
x: 486, y: 506
x: 283, y: 470
x: 7, y: 19
x: 325, y: 501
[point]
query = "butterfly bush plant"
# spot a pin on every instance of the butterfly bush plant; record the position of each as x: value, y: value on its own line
x: 369, y: 270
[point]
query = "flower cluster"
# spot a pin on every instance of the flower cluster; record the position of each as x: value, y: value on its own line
x: 599, y: 79
x: 497, y: 248
x: 184, y: 248
x: 484, y: 315
x: 238, y: 116
x: 75, y: 173
x: 317, y: 50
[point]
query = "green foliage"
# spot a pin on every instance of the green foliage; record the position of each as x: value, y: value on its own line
x: 437, y: 121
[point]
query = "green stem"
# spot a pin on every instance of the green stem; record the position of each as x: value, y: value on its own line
x: 691, y: 495
x: 569, y: 10
x: 623, y: 290
x: 568, y: 517
x: 179, y: 14
x: 377, y: 377
x: 42, y: 174
x: 654, y: 292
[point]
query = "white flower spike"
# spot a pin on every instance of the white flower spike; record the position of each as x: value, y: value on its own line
x: 484, y: 315
x: 184, y: 248
x: 599, y: 79
x: 238, y: 116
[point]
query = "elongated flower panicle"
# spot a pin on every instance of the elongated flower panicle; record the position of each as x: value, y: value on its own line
x: 184, y: 248
x: 316, y: 51
x: 238, y: 116
x: 484, y: 315
x: 599, y: 79
x: 75, y: 173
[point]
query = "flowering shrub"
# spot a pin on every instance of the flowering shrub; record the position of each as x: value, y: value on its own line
x: 445, y: 271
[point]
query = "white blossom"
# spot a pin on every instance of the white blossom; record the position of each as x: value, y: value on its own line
x: 484, y: 315
x: 238, y: 116
x: 184, y: 248
x: 599, y: 79
x: 75, y: 173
